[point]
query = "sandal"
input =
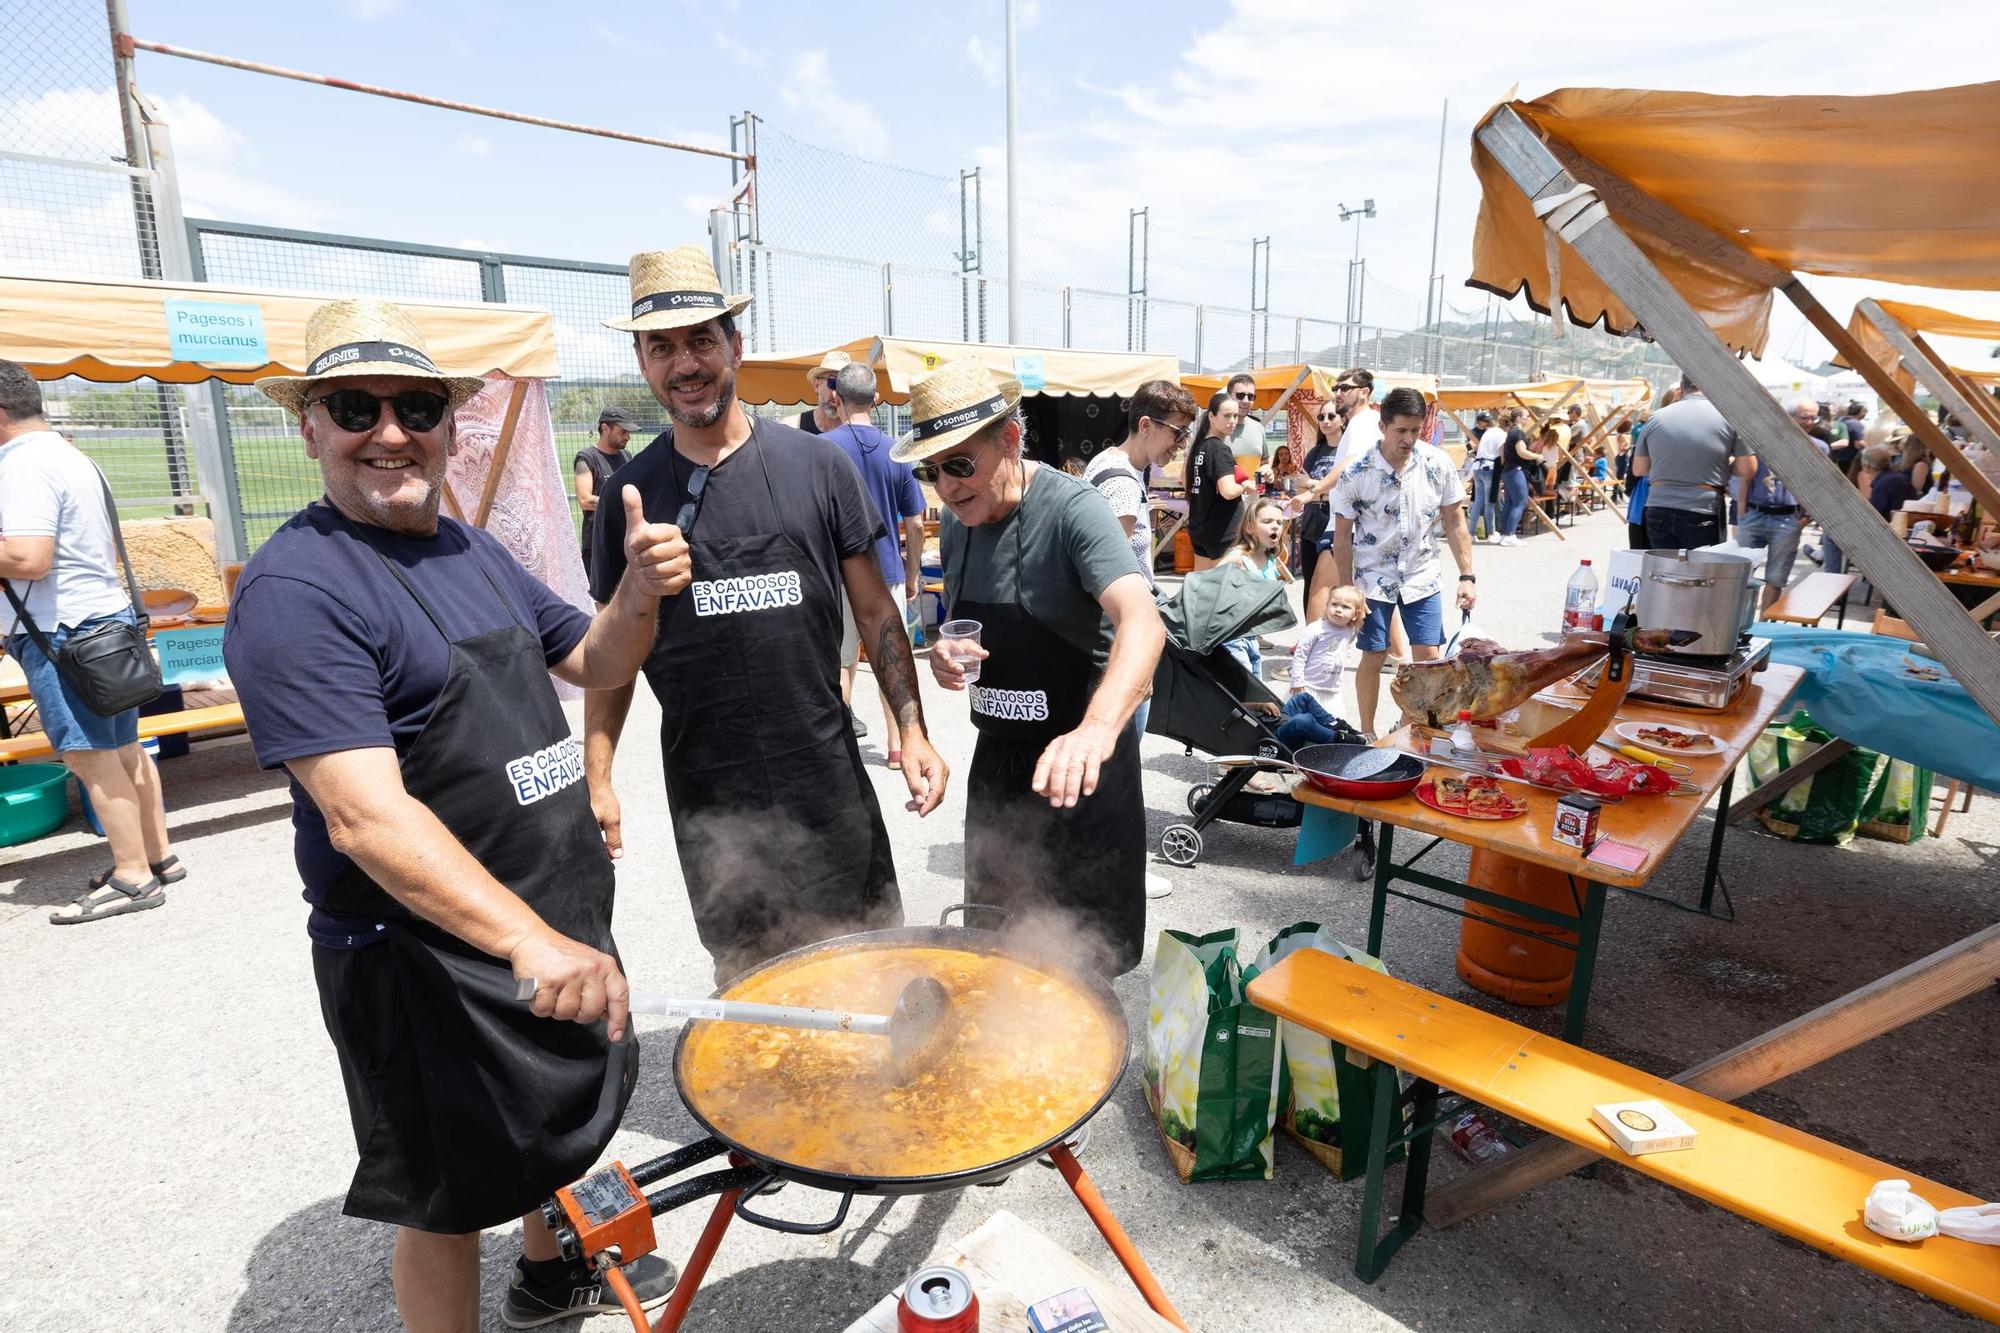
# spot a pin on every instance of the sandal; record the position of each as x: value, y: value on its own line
x: 896, y: 759
x: 135, y: 898
x: 169, y: 871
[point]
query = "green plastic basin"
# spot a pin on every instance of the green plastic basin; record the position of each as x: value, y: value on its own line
x: 34, y: 801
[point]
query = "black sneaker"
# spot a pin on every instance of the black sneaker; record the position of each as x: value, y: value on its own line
x: 583, y: 1292
x: 860, y: 727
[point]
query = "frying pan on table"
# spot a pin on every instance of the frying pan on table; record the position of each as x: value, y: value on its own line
x: 1357, y: 772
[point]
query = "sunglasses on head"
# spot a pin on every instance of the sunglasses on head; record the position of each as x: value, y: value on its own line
x: 357, y: 410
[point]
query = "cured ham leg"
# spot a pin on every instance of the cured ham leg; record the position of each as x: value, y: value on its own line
x: 1486, y: 680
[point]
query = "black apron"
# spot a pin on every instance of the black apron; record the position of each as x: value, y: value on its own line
x: 1086, y: 863
x: 469, y: 1111
x: 781, y: 841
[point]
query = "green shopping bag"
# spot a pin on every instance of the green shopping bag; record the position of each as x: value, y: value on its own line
x: 1328, y: 1104
x: 1213, y: 1062
x: 1860, y: 791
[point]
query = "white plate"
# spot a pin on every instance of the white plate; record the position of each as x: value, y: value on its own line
x: 1629, y: 731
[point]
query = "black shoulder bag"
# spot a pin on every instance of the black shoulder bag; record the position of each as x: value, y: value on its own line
x: 109, y: 666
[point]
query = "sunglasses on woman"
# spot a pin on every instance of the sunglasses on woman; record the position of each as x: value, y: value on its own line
x: 356, y: 410
x: 961, y: 466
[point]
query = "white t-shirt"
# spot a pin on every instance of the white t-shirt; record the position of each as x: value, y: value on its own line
x: 1491, y: 443
x: 1118, y: 481
x: 1364, y: 432
x: 49, y: 489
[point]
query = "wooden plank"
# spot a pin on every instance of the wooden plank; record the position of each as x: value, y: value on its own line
x: 36, y: 744
x: 1883, y: 1005
x: 1781, y: 783
x: 1983, y: 402
x: 1782, y: 1178
x: 1849, y: 519
x: 1546, y: 520
x: 502, y: 447
x: 1655, y: 824
x: 1946, y: 387
x: 1808, y: 601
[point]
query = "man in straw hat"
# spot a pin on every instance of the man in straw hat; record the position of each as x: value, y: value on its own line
x: 780, y: 838
x: 826, y: 412
x: 397, y: 663
x: 1068, y: 636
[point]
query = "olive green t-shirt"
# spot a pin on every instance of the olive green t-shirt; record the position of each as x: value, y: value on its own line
x: 1054, y: 555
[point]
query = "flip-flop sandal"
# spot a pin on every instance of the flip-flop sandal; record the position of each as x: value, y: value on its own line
x: 137, y: 898
x: 169, y: 871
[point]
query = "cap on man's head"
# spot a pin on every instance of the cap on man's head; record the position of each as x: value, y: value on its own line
x: 829, y: 365
x: 618, y: 416
x: 1483, y: 416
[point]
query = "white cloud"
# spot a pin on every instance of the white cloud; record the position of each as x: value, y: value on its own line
x: 474, y: 145
x: 811, y: 90
x: 741, y: 54
x: 368, y: 11
x: 991, y: 64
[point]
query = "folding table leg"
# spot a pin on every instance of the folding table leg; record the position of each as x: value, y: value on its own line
x: 1384, y: 872
x: 1373, y: 1251
x: 1586, y: 962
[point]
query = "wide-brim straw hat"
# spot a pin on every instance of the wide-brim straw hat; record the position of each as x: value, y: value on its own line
x: 672, y: 289
x: 951, y: 405
x: 829, y: 366
x: 352, y: 339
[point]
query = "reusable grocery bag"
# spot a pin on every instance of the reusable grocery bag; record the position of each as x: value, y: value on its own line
x: 1860, y: 791
x: 1213, y: 1062
x: 1328, y: 1103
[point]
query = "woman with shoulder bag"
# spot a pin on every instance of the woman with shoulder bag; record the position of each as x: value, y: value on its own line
x: 72, y: 618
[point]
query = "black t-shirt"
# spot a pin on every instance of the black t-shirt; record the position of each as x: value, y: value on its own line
x: 600, y: 466
x: 329, y: 652
x: 818, y: 496
x: 1319, y: 461
x: 1510, y: 458
x: 809, y: 423
x: 1211, y: 521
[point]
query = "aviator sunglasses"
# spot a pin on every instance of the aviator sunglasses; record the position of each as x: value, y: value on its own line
x: 356, y: 410
x: 961, y: 466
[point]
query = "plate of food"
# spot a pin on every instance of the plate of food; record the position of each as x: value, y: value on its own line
x: 1471, y: 796
x: 1662, y: 739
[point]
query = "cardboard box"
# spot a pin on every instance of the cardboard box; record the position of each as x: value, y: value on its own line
x: 1643, y: 1126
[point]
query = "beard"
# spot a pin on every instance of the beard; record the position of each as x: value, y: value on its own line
x: 725, y: 394
x: 415, y: 515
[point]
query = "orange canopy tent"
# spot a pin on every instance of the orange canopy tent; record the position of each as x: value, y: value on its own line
x: 1891, y: 334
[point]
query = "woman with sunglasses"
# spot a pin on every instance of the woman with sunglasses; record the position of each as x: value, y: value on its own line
x: 1317, y: 469
x: 1055, y: 822
x: 1215, y: 482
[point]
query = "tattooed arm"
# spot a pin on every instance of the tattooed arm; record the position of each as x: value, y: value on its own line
x: 895, y: 669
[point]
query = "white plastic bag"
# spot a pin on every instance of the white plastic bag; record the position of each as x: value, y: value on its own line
x: 1893, y: 1211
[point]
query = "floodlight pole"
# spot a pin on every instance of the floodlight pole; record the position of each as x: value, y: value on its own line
x: 1433, y: 279
x: 1013, y: 195
x: 1356, y: 294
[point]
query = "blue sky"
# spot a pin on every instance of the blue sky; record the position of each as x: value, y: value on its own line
x: 1228, y: 120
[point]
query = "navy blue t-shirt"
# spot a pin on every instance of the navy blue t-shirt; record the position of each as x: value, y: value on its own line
x: 329, y: 652
x: 892, y: 486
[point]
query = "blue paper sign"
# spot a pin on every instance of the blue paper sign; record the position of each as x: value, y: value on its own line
x: 190, y: 654
x: 1034, y: 376
x: 218, y: 332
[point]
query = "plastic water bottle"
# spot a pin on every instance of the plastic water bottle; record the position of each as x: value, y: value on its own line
x: 1476, y: 1141
x: 1463, y: 747
x: 1579, y: 600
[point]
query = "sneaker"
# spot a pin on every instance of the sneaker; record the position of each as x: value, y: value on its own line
x: 860, y: 727
x: 1510, y: 541
x: 584, y: 1292
x: 1158, y: 886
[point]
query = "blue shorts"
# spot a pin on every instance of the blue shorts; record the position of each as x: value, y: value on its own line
x: 1423, y: 621
x: 70, y: 725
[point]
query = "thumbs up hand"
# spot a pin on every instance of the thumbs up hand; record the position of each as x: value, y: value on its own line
x: 655, y: 553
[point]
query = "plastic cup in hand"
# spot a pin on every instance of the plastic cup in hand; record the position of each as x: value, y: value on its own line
x: 953, y: 633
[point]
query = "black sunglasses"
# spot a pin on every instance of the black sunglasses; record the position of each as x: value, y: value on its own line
x: 1250, y: 397
x: 697, y: 482
x: 1181, y: 433
x: 357, y: 410
x: 1328, y: 418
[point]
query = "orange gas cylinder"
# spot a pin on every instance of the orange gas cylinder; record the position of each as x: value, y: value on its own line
x: 1517, y: 968
x: 1183, y: 552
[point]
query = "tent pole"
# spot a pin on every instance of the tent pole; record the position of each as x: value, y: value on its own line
x: 1883, y: 381
x: 501, y: 448
x: 1884, y: 557
x: 1923, y: 362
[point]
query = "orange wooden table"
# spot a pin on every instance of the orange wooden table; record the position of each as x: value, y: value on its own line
x: 1655, y: 825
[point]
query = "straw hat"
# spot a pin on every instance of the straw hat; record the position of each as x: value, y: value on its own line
x: 672, y: 289
x: 350, y: 339
x: 950, y: 405
x: 829, y: 366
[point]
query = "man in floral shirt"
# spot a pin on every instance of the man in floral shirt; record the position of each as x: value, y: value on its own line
x: 1385, y: 511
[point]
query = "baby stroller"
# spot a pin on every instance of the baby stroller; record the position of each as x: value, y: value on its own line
x: 1202, y: 697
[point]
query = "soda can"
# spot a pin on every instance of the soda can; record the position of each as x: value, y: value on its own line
x: 939, y: 1299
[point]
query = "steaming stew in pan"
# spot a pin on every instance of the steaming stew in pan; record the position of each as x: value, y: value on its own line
x: 1028, y: 1055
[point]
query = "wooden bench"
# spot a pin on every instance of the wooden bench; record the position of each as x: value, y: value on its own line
x: 35, y: 745
x: 1792, y: 1182
x: 1808, y: 601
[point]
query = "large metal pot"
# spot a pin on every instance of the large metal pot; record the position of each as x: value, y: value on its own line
x: 1707, y: 592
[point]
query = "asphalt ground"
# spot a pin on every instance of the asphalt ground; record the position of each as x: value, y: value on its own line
x: 177, y: 1145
